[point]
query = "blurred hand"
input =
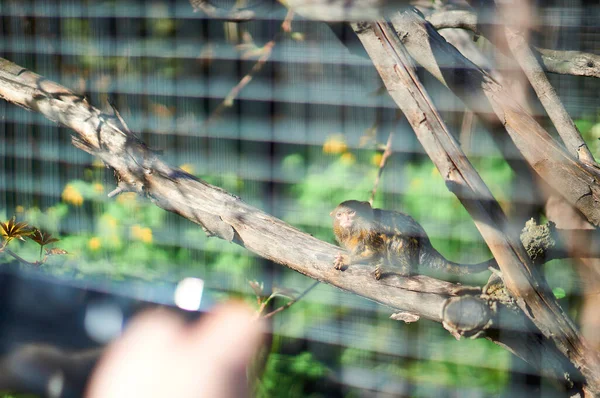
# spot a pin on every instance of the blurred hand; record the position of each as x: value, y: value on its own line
x: 160, y: 356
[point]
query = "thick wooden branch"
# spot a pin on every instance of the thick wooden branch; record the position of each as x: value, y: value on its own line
x: 496, y: 107
x: 576, y: 63
x: 218, y: 212
x: 554, y: 108
x: 528, y: 288
x: 514, y: 37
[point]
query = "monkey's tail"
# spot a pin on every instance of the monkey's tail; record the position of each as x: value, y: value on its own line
x: 436, y: 260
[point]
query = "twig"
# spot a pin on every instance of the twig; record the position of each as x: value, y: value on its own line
x: 234, y: 92
x: 21, y: 259
x: 291, y: 302
x: 286, y: 25
x: 267, y: 50
x: 386, y: 154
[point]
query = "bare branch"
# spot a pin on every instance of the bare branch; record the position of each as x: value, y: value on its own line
x: 218, y: 212
x: 267, y: 50
x: 496, y: 108
x: 525, y: 284
x: 547, y: 95
x: 554, y: 61
x: 291, y: 302
x: 516, y: 40
x: 570, y: 62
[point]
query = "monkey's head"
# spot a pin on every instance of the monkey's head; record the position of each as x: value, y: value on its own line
x: 351, y: 212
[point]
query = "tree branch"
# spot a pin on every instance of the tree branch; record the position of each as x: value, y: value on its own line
x: 497, y: 109
x: 516, y: 40
x: 525, y: 284
x: 215, y: 210
x: 576, y: 63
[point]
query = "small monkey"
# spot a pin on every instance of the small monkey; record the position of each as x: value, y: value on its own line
x: 389, y: 238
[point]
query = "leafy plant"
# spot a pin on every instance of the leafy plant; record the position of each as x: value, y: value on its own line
x: 21, y: 230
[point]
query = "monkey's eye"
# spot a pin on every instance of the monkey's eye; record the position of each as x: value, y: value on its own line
x: 352, y: 213
x: 338, y: 214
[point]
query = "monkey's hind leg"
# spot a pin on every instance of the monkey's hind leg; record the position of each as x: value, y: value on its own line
x: 401, y: 264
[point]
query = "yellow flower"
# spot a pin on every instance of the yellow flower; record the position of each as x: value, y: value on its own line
x: 94, y: 243
x: 335, y: 144
x: 143, y: 234
x: 188, y: 168
x: 19, y: 209
x: 98, y: 188
x: 348, y: 158
x: 376, y: 159
x: 72, y: 195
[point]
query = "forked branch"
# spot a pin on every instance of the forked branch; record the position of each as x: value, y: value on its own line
x: 529, y: 289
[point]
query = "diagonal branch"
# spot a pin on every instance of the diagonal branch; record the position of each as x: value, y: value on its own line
x: 497, y: 109
x: 215, y: 210
x: 548, y: 97
x: 524, y: 282
x: 515, y: 37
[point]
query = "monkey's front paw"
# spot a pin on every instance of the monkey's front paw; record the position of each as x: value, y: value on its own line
x: 340, y: 262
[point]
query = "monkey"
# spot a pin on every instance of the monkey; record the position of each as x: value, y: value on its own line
x: 389, y: 238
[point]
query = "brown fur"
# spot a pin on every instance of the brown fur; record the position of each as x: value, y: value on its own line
x: 388, y: 238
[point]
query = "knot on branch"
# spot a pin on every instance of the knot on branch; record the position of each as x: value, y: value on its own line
x: 467, y: 316
x: 538, y: 240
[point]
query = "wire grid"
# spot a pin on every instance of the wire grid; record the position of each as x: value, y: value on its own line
x: 168, y: 70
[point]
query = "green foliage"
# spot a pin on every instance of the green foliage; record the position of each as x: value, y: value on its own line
x: 128, y: 237
x: 286, y: 376
x: 18, y: 396
x: 466, y: 363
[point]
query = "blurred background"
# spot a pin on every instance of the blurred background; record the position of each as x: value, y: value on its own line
x: 304, y: 134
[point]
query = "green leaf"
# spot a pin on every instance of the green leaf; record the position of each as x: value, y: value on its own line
x: 559, y: 292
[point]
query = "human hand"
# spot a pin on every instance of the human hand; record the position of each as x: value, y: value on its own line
x: 161, y: 356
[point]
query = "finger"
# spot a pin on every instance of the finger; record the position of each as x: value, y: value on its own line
x: 134, y: 355
x: 226, y: 341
